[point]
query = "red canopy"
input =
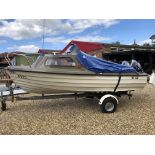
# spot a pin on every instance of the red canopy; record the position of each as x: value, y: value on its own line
x: 84, y: 46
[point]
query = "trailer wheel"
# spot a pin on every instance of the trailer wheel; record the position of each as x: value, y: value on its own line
x: 3, y: 105
x: 109, y: 105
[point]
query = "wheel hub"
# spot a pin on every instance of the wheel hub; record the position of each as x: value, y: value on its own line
x: 109, y: 106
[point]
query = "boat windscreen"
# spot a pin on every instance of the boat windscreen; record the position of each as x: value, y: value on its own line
x: 39, y: 61
x: 59, y: 61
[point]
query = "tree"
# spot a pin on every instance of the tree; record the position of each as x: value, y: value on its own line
x: 116, y: 43
x: 146, y: 44
x: 153, y: 39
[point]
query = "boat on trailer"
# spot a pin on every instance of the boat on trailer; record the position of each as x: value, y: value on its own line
x: 77, y: 72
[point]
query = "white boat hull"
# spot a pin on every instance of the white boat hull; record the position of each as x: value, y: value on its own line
x: 49, y: 83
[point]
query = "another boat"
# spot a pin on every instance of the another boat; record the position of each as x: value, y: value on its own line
x: 76, y: 72
x: 4, y: 80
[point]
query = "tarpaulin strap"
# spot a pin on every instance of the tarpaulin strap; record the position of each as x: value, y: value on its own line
x: 119, y: 79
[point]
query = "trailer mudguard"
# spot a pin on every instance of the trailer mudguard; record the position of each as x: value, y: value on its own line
x: 106, y: 96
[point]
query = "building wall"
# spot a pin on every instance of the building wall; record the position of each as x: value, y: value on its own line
x: 97, y: 53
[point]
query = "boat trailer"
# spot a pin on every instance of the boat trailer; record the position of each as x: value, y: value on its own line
x: 108, y: 101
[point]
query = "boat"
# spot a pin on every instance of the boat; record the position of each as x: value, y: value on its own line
x: 75, y: 72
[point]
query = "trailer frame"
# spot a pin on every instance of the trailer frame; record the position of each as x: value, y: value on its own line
x: 102, y: 96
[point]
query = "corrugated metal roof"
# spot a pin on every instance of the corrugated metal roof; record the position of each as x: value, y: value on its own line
x: 46, y: 51
x: 85, y: 46
x: 11, y: 54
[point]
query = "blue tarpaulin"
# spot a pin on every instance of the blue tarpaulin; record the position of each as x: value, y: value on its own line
x: 98, y: 65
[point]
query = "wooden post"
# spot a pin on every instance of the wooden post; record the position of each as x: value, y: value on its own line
x: 133, y: 55
x: 150, y: 62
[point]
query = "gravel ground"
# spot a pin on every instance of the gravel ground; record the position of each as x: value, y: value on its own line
x: 81, y: 116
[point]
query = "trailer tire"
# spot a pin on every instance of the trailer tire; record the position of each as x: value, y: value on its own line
x: 3, y: 105
x: 109, y: 105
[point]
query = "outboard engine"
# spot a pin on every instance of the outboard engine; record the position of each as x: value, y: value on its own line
x: 125, y: 63
x: 136, y: 65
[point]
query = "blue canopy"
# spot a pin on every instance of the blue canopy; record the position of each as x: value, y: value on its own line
x: 98, y: 65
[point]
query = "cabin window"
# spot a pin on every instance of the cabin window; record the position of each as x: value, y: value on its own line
x: 59, y: 62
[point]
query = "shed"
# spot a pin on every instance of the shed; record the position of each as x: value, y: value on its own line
x: 145, y: 57
x: 91, y: 48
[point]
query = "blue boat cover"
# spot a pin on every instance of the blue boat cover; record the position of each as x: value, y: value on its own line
x: 98, y: 65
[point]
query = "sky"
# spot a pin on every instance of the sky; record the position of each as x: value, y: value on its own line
x: 26, y: 35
